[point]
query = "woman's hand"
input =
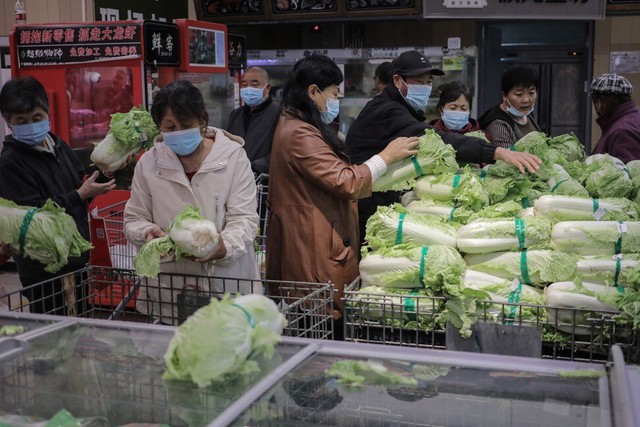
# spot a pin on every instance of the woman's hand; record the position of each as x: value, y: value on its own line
x: 523, y: 161
x: 399, y: 148
x: 90, y: 188
x: 217, y: 253
x: 155, y: 233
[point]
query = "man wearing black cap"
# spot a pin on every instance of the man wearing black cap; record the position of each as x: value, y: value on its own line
x: 618, y: 117
x: 399, y: 111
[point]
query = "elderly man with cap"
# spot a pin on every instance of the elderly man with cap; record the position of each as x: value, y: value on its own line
x: 399, y: 111
x: 618, y: 117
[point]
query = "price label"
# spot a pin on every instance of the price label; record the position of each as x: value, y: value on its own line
x: 617, y: 257
x: 514, y: 284
x: 598, y: 214
x: 622, y: 227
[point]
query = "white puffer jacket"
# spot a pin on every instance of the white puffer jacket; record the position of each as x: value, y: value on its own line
x: 225, y: 192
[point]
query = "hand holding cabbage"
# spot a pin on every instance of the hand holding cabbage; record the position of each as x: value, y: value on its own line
x: 189, y: 236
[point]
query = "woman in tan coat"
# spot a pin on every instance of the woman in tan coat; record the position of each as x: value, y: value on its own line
x: 314, y: 188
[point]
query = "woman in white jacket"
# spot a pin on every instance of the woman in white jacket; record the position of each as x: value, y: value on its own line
x: 192, y: 164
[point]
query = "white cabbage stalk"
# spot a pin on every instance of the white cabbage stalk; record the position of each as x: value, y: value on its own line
x: 408, y: 197
x: 602, y: 270
x: 596, y: 237
x: 500, y: 235
x: 195, y: 237
x: 579, y: 307
x: 108, y: 155
x: 428, y: 186
x: 565, y: 208
x: 374, y: 264
x: 420, y: 207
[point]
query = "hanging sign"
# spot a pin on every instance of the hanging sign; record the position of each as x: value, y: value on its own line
x: 65, y: 44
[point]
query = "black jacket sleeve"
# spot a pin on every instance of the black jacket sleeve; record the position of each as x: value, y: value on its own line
x: 469, y: 149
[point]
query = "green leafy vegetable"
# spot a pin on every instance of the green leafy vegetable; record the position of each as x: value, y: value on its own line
x: 129, y: 133
x: 542, y: 266
x: 484, y: 236
x: 51, y: 236
x: 433, y: 157
x: 606, y: 177
x: 219, y: 340
x: 357, y: 373
x: 463, y: 189
x: 392, y: 225
x: 597, y: 237
x: 189, y: 234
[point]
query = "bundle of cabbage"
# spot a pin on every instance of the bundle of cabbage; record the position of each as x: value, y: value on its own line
x: 618, y: 270
x: 47, y: 234
x: 188, y: 235
x: 561, y: 183
x: 463, y: 189
x: 393, y: 305
x: 517, y: 301
x: 572, y: 308
x: 485, y: 236
x: 535, y: 267
x: 407, y: 266
x: 128, y: 133
x: 565, y: 208
x: 606, y: 176
x: 564, y: 148
x: 502, y: 182
x: 444, y: 210
x: 392, y: 225
x: 597, y: 237
x: 220, y: 339
x: 433, y: 157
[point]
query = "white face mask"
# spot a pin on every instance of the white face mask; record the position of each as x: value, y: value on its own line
x: 516, y: 113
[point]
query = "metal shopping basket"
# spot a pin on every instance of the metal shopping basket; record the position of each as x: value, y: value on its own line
x: 558, y: 333
x: 171, y: 298
x: 262, y: 191
x: 110, y: 246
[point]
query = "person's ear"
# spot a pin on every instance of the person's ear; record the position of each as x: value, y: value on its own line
x: 267, y: 89
x: 397, y: 81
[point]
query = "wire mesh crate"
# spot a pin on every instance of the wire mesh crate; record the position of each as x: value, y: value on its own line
x: 413, y: 320
x: 171, y: 298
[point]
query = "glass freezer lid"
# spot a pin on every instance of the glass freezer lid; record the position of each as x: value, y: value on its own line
x: 14, y: 324
x: 441, y: 396
x: 113, y: 374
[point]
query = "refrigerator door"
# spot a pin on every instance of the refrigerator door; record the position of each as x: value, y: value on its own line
x: 111, y: 374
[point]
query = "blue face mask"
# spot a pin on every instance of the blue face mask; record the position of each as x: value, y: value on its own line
x: 183, y: 142
x: 252, y: 96
x: 515, y: 113
x: 417, y: 95
x: 455, y: 120
x: 31, y: 133
x: 333, y: 108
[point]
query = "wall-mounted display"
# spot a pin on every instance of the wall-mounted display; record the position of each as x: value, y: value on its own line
x: 355, y: 5
x: 216, y: 8
x: 304, y: 6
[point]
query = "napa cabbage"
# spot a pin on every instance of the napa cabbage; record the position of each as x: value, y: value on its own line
x: 221, y: 340
x: 433, y: 157
x: 188, y: 235
x: 51, y: 235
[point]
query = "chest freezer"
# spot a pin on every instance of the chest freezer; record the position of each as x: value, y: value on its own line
x: 109, y: 373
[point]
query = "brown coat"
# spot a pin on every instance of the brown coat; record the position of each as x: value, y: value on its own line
x: 313, y: 192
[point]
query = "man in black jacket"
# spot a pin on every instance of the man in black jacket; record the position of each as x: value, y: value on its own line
x: 399, y: 111
x: 256, y: 119
x: 35, y: 165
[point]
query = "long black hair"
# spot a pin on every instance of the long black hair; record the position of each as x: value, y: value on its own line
x: 323, y: 72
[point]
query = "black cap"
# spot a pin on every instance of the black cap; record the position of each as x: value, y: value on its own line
x: 412, y: 63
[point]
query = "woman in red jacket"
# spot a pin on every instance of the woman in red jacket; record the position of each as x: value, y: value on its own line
x: 454, y: 107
